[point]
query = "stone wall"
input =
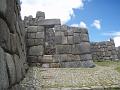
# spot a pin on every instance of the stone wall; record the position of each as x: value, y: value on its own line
x: 13, y: 64
x: 50, y: 44
x: 104, y: 50
x: 72, y: 47
x: 118, y: 52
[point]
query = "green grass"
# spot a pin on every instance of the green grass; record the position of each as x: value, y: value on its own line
x: 107, y: 63
x: 118, y: 69
x: 116, y: 64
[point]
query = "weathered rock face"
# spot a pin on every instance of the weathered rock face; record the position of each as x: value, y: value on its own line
x: 104, y: 50
x: 51, y: 45
x: 118, y: 52
x: 12, y: 44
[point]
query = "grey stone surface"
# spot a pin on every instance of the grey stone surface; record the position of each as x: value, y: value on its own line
x: 11, y: 68
x: 71, y: 57
x: 49, y: 41
x: 88, y: 63
x: 32, y: 29
x: 48, y: 22
x: 40, y: 35
x: 38, y: 42
x: 76, y: 38
x: 64, y: 40
x: 56, y: 58
x: 84, y: 47
x: 31, y: 35
x: 33, y: 59
x: 63, y: 58
x: 13, y: 43
x: 84, y: 37
x: 4, y: 80
x: 46, y: 65
x: 36, y: 50
x: 64, y: 43
x: 86, y: 57
x: 76, y: 49
x: 58, y: 39
x: 4, y: 35
x: 62, y: 49
x: 30, y: 42
x: 73, y: 64
x: 18, y: 67
x: 70, y: 33
x: 47, y: 59
x: 119, y: 52
x: 104, y: 50
x: 3, y: 6
x: 83, y: 30
x: 70, y: 39
x: 40, y: 15
x: 40, y: 28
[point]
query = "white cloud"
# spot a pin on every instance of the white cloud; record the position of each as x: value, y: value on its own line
x: 97, y: 24
x: 62, y: 9
x: 82, y: 25
x: 117, y: 41
x: 112, y: 34
x: 75, y: 25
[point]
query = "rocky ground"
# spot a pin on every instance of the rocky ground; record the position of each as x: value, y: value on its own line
x: 72, y: 78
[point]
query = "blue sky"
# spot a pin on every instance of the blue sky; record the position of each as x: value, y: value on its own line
x: 101, y: 17
x: 106, y: 11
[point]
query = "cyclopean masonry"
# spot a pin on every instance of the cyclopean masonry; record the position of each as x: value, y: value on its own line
x: 13, y: 63
x: 50, y: 44
x: 104, y: 50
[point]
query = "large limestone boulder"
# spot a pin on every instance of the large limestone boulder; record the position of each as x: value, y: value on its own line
x: 11, y: 68
x: 4, y: 81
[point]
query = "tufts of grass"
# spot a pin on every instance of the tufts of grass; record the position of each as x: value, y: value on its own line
x: 118, y: 69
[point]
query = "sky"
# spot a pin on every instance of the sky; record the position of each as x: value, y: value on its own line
x: 100, y: 17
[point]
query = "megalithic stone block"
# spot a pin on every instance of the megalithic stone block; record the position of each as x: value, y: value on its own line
x: 32, y: 29
x: 86, y: 57
x: 11, y: 68
x: 76, y: 49
x: 4, y: 81
x: 63, y: 49
x: 18, y: 67
x: 87, y: 64
x: 3, y: 6
x: 36, y: 50
x: 84, y: 37
x: 49, y: 22
x: 76, y: 38
x: 84, y: 47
